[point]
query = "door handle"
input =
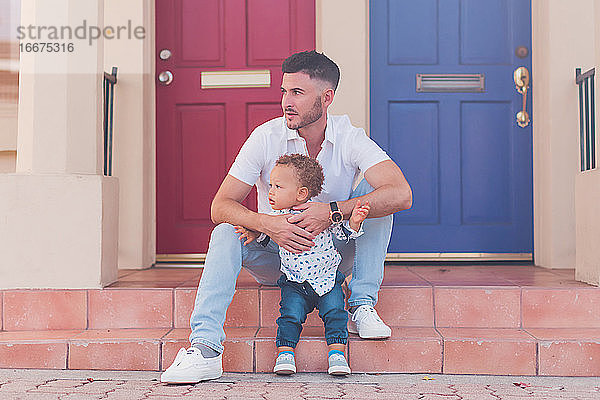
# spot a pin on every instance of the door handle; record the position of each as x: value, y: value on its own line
x: 521, y: 76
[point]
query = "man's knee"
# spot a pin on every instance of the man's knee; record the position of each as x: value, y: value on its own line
x: 222, y: 230
x: 224, y: 234
x: 224, y: 242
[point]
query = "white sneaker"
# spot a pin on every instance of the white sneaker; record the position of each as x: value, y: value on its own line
x: 191, y: 367
x: 367, y: 324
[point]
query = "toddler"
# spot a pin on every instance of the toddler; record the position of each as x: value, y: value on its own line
x: 310, y: 280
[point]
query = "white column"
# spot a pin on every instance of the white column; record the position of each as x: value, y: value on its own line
x: 59, y: 214
x: 60, y: 115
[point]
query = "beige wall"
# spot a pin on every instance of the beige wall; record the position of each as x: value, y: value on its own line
x: 343, y: 35
x: 134, y: 131
x: 562, y: 40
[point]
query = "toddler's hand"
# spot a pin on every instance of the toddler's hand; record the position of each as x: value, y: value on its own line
x: 359, y: 214
x: 246, y: 233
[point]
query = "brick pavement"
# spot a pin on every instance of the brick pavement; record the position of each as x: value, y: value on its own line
x: 90, y: 385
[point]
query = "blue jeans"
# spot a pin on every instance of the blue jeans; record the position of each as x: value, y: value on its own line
x: 363, y: 258
x: 299, y: 299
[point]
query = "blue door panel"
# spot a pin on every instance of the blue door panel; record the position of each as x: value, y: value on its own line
x: 485, y: 163
x: 422, y: 139
x: 484, y: 30
x: 410, y: 41
x: 468, y: 163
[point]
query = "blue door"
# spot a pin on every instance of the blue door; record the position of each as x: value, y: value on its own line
x: 443, y: 105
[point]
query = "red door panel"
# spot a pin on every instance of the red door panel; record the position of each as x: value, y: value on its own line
x: 201, y: 32
x: 200, y: 131
x: 261, y: 112
x: 266, y: 28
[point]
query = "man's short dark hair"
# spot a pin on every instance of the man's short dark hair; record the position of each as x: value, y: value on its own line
x: 316, y: 65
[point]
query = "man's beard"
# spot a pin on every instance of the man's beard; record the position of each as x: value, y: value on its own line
x: 310, y: 117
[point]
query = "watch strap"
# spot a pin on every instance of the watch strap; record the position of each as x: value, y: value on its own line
x: 263, y: 239
x: 334, y: 206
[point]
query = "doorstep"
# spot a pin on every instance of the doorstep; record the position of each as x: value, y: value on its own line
x: 475, y: 319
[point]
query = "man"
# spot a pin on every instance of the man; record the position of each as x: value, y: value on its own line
x: 308, y: 87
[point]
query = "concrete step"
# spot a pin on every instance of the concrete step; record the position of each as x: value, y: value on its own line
x: 454, y: 297
x: 559, y: 351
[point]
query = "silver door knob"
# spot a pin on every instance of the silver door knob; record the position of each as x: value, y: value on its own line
x: 165, y: 54
x: 165, y: 77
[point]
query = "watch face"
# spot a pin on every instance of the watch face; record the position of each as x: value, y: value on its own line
x: 337, y: 217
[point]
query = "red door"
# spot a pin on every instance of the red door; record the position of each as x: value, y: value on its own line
x: 200, y: 130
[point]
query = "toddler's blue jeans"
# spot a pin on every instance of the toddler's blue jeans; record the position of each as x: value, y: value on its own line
x: 299, y: 299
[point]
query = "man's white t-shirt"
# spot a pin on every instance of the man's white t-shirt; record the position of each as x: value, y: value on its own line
x: 345, y: 153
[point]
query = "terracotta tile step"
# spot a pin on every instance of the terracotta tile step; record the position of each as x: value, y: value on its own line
x: 565, y: 352
x: 472, y: 306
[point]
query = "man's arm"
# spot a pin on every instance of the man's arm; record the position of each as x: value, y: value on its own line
x: 227, y: 204
x: 227, y: 207
x: 391, y: 193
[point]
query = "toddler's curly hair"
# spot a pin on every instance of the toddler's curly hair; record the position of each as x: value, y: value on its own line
x: 308, y: 171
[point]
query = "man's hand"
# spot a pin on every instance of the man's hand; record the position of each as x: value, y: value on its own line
x: 288, y: 236
x: 247, y: 234
x: 359, y: 214
x: 314, y: 217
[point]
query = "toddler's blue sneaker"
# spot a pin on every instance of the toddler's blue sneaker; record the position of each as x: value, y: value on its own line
x: 338, y: 364
x: 285, y: 363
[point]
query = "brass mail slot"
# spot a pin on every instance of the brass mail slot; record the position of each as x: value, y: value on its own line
x: 451, y: 83
x: 235, y: 79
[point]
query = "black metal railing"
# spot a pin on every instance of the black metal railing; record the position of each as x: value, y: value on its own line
x: 587, y: 121
x: 110, y: 80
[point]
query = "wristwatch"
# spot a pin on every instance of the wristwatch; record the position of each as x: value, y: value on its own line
x: 335, y: 216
